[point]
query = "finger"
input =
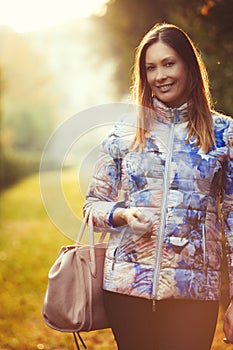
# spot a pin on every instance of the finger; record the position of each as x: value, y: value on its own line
x: 225, y: 328
x: 142, y: 217
x: 139, y: 227
x: 230, y: 335
x: 138, y: 214
x: 227, y: 341
x: 227, y: 331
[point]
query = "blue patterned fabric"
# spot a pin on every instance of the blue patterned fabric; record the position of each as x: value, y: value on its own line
x: 179, y: 185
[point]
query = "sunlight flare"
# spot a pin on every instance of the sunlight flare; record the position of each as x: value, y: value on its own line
x: 26, y: 15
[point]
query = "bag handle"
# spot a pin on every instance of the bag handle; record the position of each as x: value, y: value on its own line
x: 88, y: 221
x: 76, y: 337
x: 83, y: 226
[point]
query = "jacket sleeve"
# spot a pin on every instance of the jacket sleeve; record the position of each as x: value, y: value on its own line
x: 103, y: 194
x: 105, y: 187
x: 227, y: 205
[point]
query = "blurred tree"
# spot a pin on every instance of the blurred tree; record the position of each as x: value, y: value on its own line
x: 28, y: 104
x: 219, y: 24
x: 208, y: 22
x: 1, y: 90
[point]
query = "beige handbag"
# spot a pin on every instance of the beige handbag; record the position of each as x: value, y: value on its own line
x: 74, y: 297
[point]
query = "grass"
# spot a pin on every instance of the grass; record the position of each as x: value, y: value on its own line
x: 29, y: 244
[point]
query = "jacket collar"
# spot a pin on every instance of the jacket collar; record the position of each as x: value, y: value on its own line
x: 170, y: 115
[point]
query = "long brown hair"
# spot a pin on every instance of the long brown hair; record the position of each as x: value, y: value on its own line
x: 200, y: 123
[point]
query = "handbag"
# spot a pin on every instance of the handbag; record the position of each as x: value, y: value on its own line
x: 73, y: 300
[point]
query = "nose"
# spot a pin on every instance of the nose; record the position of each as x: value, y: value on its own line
x: 160, y: 74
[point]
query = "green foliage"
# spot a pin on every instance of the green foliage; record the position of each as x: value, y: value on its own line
x: 15, y: 166
x: 29, y: 125
x: 28, y: 101
x: 26, y: 107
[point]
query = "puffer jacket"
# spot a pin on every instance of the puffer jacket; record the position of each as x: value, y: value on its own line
x: 186, y: 191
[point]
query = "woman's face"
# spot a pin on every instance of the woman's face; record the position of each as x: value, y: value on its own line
x: 167, y: 74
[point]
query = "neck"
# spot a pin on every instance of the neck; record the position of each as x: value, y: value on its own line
x: 169, y: 114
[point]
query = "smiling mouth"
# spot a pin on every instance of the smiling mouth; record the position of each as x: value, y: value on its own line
x: 165, y: 88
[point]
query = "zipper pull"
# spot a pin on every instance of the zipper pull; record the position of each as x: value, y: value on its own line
x: 113, y: 262
x: 153, y: 305
x: 114, y: 258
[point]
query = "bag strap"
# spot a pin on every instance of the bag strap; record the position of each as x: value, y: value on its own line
x: 83, y: 226
x: 75, y: 334
x: 88, y: 221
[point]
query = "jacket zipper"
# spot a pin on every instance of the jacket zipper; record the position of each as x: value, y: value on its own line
x: 204, y: 250
x: 161, y: 234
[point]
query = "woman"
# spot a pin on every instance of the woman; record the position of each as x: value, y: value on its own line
x: 162, y: 270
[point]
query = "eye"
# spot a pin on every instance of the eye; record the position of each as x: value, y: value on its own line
x: 150, y: 68
x: 169, y: 63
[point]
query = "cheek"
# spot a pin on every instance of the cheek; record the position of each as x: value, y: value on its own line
x: 189, y: 84
x: 150, y: 80
x: 186, y: 84
x: 184, y: 76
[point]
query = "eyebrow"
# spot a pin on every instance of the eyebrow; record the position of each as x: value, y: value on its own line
x: 163, y: 60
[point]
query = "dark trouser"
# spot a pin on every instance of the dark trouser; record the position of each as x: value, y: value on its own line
x: 174, y: 325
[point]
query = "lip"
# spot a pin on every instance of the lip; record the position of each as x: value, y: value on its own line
x: 164, y: 87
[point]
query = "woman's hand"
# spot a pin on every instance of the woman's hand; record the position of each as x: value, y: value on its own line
x: 228, y: 323
x: 139, y: 221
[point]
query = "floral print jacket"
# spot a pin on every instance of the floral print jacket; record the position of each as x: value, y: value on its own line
x: 188, y: 192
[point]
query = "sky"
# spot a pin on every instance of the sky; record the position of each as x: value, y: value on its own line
x: 29, y: 15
